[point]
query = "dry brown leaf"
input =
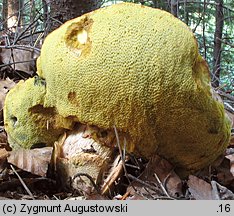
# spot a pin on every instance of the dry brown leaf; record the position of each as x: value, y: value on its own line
x: 3, y: 157
x: 223, y: 192
x: 3, y: 139
x: 231, y: 158
x: 159, y: 167
x: 3, y: 154
x: 199, y: 189
x: 35, y: 161
x: 224, y: 176
x: 168, y: 177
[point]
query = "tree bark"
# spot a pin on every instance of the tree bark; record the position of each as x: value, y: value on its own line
x: 4, y: 13
x: 63, y: 10
x: 45, y: 12
x: 174, y: 5
x: 219, y: 22
x: 13, y: 15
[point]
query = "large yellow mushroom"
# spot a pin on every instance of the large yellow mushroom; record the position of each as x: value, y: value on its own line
x: 135, y: 68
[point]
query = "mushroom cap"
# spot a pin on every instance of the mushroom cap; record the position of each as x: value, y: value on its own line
x: 138, y: 69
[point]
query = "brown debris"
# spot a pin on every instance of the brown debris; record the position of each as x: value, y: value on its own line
x: 158, y: 180
x: 202, y: 190
x: 231, y: 158
x: 35, y: 161
x: 3, y: 158
x: 199, y: 189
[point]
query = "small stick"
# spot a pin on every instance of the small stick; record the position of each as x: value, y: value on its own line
x: 133, y: 166
x: 13, y: 63
x: 22, y: 182
x: 149, y: 193
x: 21, y: 47
x: 124, y: 197
x: 121, y: 153
x: 142, y: 182
x: 55, y: 197
x: 161, y: 185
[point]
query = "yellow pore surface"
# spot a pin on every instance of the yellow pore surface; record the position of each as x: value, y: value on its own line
x: 136, y: 68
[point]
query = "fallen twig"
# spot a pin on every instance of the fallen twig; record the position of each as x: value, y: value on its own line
x: 121, y: 153
x: 161, y: 185
x: 22, y: 182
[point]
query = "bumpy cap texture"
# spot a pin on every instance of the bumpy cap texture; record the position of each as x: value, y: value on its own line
x: 138, y: 69
x: 27, y: 122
